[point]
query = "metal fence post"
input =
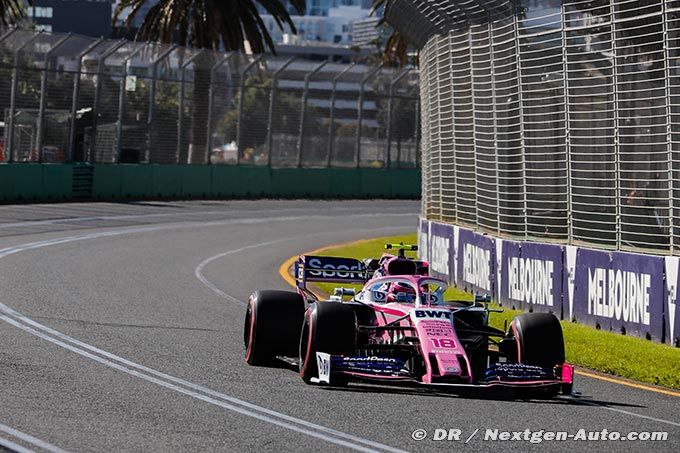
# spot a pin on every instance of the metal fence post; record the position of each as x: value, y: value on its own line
x: 417, y: 133
x: 567, y: 130
x: 13, y: 97
x: 239, y: 120
x: 331, y: 115
x: 617, y: 147
x: 474, y: 128
x: 180, y: 111
x: 43, y: 96
x: 272, y: 103
x: 121, y: 102
x: 98, y: 95
x: 438, y: 82
x: 303, y: 112
x: 211, y: 103
x: 76, y: 95
x: 520, y: 98
x: 390, y: 114
x: 4, y: 36
x: 360, y: 113
x: 8, y: 33
x: 494, y: 109
x: 669, y: 130
x: 152, y: 100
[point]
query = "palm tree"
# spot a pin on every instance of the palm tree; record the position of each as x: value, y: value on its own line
x: 208, y: 24
x: 396, y: 48
x: 11, y: 11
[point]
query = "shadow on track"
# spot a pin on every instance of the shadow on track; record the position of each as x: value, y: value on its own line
x: 478, y: 394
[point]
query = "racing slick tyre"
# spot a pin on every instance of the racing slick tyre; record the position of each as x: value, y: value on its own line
x: 539, y: 339
x: 328, y: 327
x: 540, y: 342
x: 272, y: 325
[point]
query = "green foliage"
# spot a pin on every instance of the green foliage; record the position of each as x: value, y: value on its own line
x: 12, y: 11
x: 256, y: 101
x: 209, y: 24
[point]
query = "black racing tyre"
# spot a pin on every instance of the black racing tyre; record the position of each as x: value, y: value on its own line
x: 328, y: 327
x: 272, y: 325
x: 539, y: 339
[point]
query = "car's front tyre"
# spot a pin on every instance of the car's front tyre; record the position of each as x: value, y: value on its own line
x: 540, y: 342
x: 328, y: 327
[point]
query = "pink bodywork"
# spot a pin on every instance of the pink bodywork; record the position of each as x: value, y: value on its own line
x: 432, y: 323
x: 446, y: 361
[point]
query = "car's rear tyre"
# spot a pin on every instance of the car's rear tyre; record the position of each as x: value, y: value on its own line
x: 328, y: 327
x: 539, y: 339
x: 272, y: 325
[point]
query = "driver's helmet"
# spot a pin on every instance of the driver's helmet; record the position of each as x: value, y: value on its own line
x: 400, y: 292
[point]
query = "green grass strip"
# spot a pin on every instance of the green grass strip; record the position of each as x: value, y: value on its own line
x: 611, y: 353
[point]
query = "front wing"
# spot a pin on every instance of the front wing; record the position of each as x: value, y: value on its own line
x: 386, y: 369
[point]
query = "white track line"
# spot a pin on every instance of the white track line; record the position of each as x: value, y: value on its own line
x: 28, y: 325
x: 621, y: 411
x: 6, y: 443
x: 206, y: 395
x: 68, y: 220
x: 198, y: 272
x: 26, y: 438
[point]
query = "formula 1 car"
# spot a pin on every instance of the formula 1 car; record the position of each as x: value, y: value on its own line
x: 398, y: 328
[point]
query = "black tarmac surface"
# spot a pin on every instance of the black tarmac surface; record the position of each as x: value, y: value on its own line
x: 121, y: 330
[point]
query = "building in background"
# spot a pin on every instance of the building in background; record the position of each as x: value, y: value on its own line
x: 365, y: 32
x: 326, y: 21
x: 83, y: 17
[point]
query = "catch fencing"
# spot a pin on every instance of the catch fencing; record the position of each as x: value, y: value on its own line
x: 548, y: 120
x: 68, y: 98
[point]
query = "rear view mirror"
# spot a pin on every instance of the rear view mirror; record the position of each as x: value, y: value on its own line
x: 344, y: 292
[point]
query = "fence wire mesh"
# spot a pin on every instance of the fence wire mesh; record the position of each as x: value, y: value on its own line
x: 553, y: 120
x: 68, y: 98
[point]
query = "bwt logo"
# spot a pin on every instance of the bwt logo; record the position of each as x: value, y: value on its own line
x: 477, y: 266
x: 439, y: 259
x: 432, y: 314
x: 619, y: 294
x: 530, y: 280
x: 329, y: 270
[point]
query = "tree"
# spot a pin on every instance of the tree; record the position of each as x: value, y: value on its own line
x: 255, y: 116
x: 209, y: 24
x: 12, y: 11
x: 396, y: 47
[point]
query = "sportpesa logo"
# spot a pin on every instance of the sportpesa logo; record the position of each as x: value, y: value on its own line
x: 369, y: 359
x: 334, y: 268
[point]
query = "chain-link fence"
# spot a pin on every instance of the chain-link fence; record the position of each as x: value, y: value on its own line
x: 551, y: 120
x: 71, y: 98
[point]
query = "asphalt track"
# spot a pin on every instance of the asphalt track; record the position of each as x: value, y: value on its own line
x: 121, y: 329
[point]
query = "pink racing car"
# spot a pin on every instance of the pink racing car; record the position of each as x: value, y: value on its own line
x: 399, y: 328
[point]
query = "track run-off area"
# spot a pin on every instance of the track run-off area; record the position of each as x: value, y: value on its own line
x: 121, y: 329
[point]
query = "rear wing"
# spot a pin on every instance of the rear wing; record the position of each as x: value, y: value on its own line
x: 328, y: 269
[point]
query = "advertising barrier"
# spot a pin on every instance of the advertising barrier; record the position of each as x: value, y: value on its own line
x: 628, y: 293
